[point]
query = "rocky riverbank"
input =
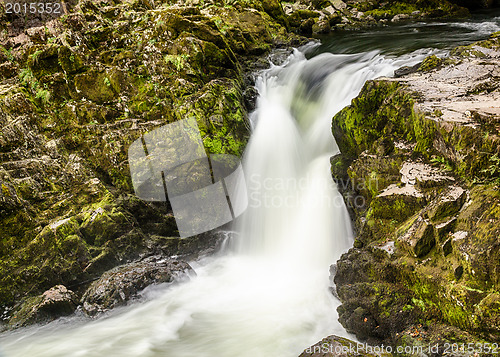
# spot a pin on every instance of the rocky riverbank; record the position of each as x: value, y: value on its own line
x: 420, y: 171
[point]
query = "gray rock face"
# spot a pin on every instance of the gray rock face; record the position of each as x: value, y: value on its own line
x: 118, y: 285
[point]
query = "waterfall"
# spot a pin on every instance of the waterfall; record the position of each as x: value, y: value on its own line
x: 268, y: 295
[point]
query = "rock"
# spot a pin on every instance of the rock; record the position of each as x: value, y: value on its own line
x: 338, y: 4
x: 70, y: 61
x: 489, y: 314
x: 273, y: 8
x: 444, y: 229
x: 306, y: 26
x: 447, y: 247
x: 7, y: 70
x: 400, y: 17
x: 100, y: 87
x: 330, y: 10
x: 430, y: 63
x: 447, y: 204
x: 405, y: 70
x: 397, y: 203
x: 423, y: 175
x: 37, y: 34
x: 333, y: 346
x: 321, y: 27
x: 53, y: 303
x: 119, y: 285
x: 445, y: 265
x: 334, y: 19
x: 339, y: 165
x: 419, y: 239
x: 75, y: 92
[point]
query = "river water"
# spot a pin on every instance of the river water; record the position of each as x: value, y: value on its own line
x: 267, y: 294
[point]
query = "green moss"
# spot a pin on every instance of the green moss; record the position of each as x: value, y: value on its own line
x: 382, y: 110
x: 399, y: 208
x: 430, y: 63
x: 5, y: 190
x: 7, y: 53
x: 99, y: 86
x: 419, y: 303
x: 43, y: 95
x: 467, y: 51
x: 391, y: 9
x: 179, y: 61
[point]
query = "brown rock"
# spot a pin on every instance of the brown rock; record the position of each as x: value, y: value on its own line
x: 55, y: 302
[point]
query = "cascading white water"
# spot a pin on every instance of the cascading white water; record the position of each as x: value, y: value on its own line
x: 268, y: 296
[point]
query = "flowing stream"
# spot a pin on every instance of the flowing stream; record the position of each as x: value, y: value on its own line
x: 267, y: 294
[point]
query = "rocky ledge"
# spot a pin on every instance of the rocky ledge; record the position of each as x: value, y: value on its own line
x: 420, y: 171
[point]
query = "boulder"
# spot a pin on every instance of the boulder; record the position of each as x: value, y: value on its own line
x: 119, y: 285
x: 306, y: 26
x: 53, y: 303
x: 321, y: 27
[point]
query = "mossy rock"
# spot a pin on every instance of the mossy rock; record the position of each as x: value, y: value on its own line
x: 488, y: 313
x: 70, y: 62
x: 100, y: 86
x: 43, y: 60
x: 104, y: 224
x: 397, y: 207
x: 113, y: 72
x: 430, y: 63
x: 419, y: 239
x: 447, y: 205
x: 382, y: 107
x: 339, y: 166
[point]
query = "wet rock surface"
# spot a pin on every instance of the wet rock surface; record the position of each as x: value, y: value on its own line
x: 425, y: 263
x: 119, y: 285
